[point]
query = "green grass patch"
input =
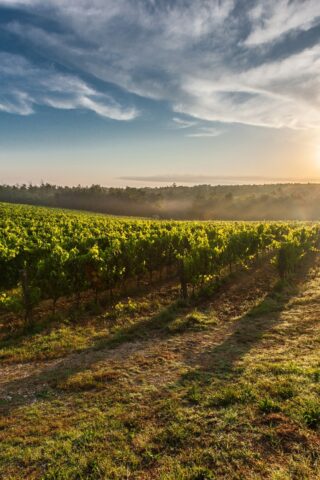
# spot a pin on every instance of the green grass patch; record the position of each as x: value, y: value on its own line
x: 311, y: 414
x: 268, y: 405
x: 194, y: 321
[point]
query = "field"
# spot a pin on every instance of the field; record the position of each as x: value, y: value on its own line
x: 139, y: 349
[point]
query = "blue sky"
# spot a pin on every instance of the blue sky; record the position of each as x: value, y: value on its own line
x: 133, y: 92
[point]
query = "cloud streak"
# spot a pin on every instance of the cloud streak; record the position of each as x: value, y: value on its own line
x: 24, y: 86
x: 272, y: 19
x: 183, y: 123
x: 215, y: 179
x: 206, y: 132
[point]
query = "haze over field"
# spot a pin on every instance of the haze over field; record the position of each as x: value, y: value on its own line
x: 153, y: 92
x: 201, y: 202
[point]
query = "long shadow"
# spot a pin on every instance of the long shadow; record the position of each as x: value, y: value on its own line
x: 222, y: 360
x: 248, y: 332
x: 18, y: 337
x: 77, y: 362
x: 50, y: 322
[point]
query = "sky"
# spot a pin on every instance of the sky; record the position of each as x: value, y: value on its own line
x: 150, y: 92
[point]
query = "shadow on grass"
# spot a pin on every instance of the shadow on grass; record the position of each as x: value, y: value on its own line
x: 156, y: 326
x: 72, y: 314
x: 221, y: 360
x: 249, y: 331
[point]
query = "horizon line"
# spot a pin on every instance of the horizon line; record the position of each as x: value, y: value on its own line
x: 179, y: 180
x: 190, y: 178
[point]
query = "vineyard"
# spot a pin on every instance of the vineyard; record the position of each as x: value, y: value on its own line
x: 151, y: 349
x: 47, y: 254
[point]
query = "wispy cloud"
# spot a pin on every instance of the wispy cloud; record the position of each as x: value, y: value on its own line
x: 211, y: 60
x: 214, y: 179
x: 206, y: 132
x: 282, y: 93
x: 24, y: 85
x: 272, y: 19
x: 183, y: 123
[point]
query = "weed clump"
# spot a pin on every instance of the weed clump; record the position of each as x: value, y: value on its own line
x: 231, y: 395
x: 89, y: 380
x: 267, y: 405
x: 195, y: 321
x: 311, y: 414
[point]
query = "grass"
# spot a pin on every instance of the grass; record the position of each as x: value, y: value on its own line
x: 231, y: 394
x: 227, y: 388
x: 51, y: 343
x: 311, y: 414
x: 193, y: 321
x: 69, y: 332
x: 267, y: 405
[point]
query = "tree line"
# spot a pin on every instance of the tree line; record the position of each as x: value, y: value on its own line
x: 203, y: 202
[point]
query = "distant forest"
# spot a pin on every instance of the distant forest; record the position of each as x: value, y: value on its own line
x: 203, y: 202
